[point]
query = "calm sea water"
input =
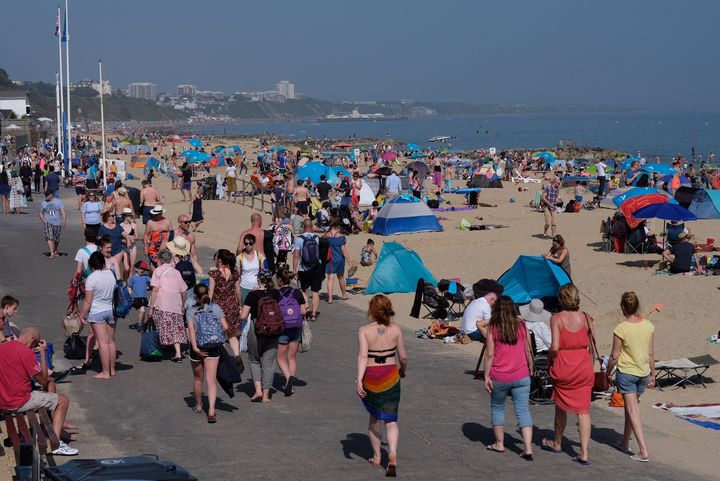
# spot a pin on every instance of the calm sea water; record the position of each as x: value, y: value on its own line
x: 663, y: 134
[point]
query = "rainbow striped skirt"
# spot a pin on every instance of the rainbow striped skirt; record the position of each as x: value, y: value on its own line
x: 382, y: 387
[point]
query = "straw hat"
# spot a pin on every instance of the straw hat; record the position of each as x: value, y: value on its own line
x: 122, y: 191
x: 127, y: 211
x: 179, y: 246
x: 682, y: 235
x: 535, y: 311
x: 158, y: 209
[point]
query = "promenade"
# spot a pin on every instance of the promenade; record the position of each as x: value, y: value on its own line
x: 317, y: 434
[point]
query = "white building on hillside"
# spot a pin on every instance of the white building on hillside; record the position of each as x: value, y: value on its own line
x: 143, y: 90
x: 15, y: 100
x: 286, y: 89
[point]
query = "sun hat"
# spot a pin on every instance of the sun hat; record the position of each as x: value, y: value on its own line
x: 179, y: 246
x: 127, y: 211
x: 682, y: 235
x: 122, y: 191
x: 535, y: 311
x: 157, y: 209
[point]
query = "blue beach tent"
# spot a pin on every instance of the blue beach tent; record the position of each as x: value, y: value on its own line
x: 195, y: 142
x: 533, y: 277
x: 404, y: 215
x: 398, y: 269
x: 661, y: 169
x: 706, y: 204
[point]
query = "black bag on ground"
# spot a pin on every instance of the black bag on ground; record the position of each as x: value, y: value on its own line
x: 74, y: 347
x: 135, y: 467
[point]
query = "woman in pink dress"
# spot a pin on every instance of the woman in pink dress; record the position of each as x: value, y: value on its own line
x: 571, y: 370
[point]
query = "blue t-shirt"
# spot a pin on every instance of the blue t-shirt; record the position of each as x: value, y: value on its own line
x: 92, y: 212
x: 53, y: 181
x: 116, y: 237
x: 139, y: 285
x: 51, y: 211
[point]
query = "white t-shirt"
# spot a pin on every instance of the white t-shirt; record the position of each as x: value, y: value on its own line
x: 102, y: 283
x: 230, y: 171
x: 601, y: 169
x: 249, y: 271
x: 83, y: 254
x: 477, y: 310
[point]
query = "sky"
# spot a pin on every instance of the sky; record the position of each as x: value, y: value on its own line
x: 653, y: 53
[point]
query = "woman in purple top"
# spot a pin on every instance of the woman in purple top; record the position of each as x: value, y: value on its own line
x: 508, y: 364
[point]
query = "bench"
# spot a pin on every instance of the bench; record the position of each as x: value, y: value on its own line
x: 28, y: 430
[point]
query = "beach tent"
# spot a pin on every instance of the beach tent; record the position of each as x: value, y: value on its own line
x: 366, y: 194
x: 705, y: 204
x: 199, y: 156
x: 398, y: 269
x: 313, y: 171
x: 684, y: 195
x: 485, y: 178
x: 413, y: 147
x: 533, y: 277
x: 217, y: 161
x: 138, y: 161
x: 403, y: 215
x: 152, y: 164
x: 195, y: 142
x: 174, y: 138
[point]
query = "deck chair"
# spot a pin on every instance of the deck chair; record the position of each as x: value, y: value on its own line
x: 427, y: 297
x: 453, y: 292
x: 517, y: 177
x: 636, y: 241
x: 684, y: 370
x: 535, y: 203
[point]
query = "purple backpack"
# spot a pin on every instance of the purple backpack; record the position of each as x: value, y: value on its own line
x: 290, y: 308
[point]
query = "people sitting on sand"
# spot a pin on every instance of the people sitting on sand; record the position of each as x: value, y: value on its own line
x: 368, y: 256
x: 674, y: 229
x: 559, y: 253
x: 19, y: 366
x: 537, y: 321
x: 681, y: 257
x: 477, y: 314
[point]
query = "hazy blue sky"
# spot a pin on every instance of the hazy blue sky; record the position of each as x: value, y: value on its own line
x: 658, y: 53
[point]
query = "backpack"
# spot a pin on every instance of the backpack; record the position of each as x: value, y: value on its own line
x: 282, y: 238
x: 122, y: 300
x: 269, y: 321
x: 187, y: 271
x: 208, y: 330
x: 290, y: 308
x: 310, y: 254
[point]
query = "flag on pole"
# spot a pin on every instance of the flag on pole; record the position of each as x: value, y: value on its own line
x: 64, y: 33
x: 57, y: 24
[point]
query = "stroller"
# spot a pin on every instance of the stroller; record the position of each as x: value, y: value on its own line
x: 209, y: 186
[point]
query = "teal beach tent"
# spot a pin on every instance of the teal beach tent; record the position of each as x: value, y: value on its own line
x: 397, y: 270
x: 533, y: 277
x: 706, y: 204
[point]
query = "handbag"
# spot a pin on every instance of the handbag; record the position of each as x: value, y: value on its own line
x: 601, y: 382
x: 71, y: 324
x: 150, y: 343
x: 306, y: 337
x: 74, y: 347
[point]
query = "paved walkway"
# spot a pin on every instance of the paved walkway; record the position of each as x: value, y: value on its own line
x: 317, y: 434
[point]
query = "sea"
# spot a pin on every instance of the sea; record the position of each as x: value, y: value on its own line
x: 664, y: 134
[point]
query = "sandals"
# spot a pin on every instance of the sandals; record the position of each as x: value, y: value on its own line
x: 546, y: 447
x: 637, y: 458
x: 527, y: 457
x: 391, y: 471
x: 196, y: 410
x: 580, y: 461
x: 211, y: 419
x: 288, y: 389
x: 491, y: 447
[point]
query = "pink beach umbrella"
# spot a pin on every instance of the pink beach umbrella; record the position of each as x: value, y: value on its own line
x: 389, y: 155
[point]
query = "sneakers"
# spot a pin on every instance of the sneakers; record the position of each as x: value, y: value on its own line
x: 65, y: 450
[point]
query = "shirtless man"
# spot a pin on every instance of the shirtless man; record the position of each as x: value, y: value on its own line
x: 290, y: 193
x: 256, y: 230
x: 157, y: 233
x: 184, y: 231
x: 149, y: 198
x: 121, y: 201
x: 302, y: 197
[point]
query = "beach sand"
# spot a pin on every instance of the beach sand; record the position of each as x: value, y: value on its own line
x: 681, y: 327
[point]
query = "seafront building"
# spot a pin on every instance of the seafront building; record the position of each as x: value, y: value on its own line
x: 143, y: 90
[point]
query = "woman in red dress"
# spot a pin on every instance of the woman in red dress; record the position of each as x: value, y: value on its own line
x: 571, y: 370
x: 225, y: 292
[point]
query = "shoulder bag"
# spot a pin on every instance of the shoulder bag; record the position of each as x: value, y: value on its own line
x: 601, y: 382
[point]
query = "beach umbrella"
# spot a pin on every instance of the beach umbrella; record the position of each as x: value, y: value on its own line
x: 630, y: 206
x: 665, y: 212
x: 533, y: 277
x: 174, y: 138
x: 343, y: 145
x: 195, y: 142
x: 421, y: 167
x: 279, y: 149
x: 662, y: 169
x: 545, y: 155
x: 199, y: 157
x: 413, y: 147
x: 417, y: 156
x: 384, y: 171
x: 312, y: 171
x: 188, y: 153
x: 636, y: 192
x: 389, y: 155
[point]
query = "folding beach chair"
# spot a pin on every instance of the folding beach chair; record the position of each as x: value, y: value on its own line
x: 684, y: 369
x: 428, y: 297
x: 517, y: 177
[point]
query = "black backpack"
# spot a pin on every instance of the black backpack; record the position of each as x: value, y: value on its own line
x: 187, y: 271
x: 310, y: 254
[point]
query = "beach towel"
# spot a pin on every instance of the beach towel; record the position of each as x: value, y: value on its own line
x: 452, y: 209
x: 704, y: 415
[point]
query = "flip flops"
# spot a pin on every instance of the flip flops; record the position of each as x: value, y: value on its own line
x: 637, y: 458
x: 546, y: 447
x: 491, y: 447
x: 582, y: 462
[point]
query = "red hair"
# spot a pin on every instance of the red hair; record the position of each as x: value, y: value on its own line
x: 380, y: 309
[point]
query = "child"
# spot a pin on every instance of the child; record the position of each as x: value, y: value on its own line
x: 580, y: 191
x: 368, y: 256
x: 278, y: 195
x: 614, y: 183
x: 138, y: 286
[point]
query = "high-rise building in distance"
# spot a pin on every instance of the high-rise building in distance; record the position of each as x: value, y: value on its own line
x: 142, y: 90
x: 286, y: 89
x: 186, y: 89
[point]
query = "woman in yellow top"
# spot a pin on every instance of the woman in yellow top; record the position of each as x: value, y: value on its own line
x: 632, y: 353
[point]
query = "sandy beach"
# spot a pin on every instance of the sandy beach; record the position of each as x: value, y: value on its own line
x: 681, y: 327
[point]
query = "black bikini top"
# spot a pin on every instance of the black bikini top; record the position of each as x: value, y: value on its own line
x: 382, y: 355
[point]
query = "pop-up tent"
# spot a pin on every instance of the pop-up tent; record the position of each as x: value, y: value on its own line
x: 403, y: 215
x: 397, y: 270
x: 152, y: 164
x: 684, y: 195
x: 706, y: 204
x: 313, y: 171
x: 533, y: 277
x: 139, y: 161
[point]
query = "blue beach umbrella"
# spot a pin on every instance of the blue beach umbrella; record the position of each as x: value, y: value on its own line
x: 662, y: 169
x: 665, y: 212
x: 413, y: 147
x: 195, y: 142
x: 199, y: 157
x: 188, y: 153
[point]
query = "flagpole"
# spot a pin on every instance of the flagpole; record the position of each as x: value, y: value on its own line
x: 61, y: 129
x: 67, y: 75
x: 102, y: 126
x: 58, y: 92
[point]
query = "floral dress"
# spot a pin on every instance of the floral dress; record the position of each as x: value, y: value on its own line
x: 224, y: 296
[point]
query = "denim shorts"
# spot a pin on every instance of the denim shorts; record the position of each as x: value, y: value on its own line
x: 293, y: 334
x: 101, y: 317
x: 629, y: 384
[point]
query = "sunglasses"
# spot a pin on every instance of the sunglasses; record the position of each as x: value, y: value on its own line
x: 249, y: 243
x: 184, y: 221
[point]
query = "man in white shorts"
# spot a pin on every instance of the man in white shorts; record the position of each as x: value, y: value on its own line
x: 19, y: 365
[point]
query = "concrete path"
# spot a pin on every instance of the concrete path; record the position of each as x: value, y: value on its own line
x: 317, y: 434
